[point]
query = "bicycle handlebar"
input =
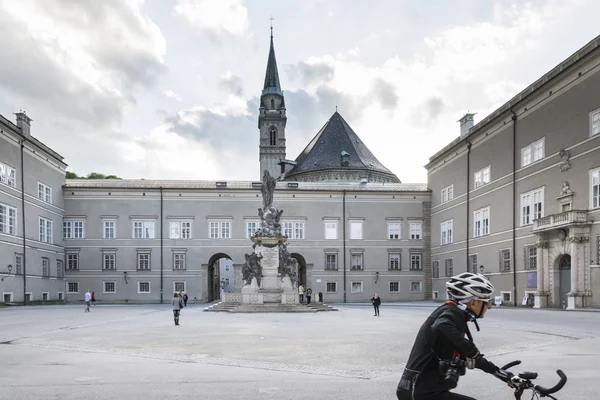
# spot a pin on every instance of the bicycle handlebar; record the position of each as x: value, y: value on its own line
x: 507, y: 376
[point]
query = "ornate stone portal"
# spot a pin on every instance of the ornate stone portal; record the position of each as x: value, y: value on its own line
x: 269, y: 273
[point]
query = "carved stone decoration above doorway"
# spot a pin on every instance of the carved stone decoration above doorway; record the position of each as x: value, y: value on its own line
x: 565, y: 163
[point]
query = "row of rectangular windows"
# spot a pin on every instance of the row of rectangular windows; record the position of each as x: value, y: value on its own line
x: 143, y: 260
x: 8, y: 177
x: 8, y: 297
x: 45, y: 266
x: 75, y: 229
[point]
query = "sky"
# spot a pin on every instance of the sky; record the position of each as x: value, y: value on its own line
x: 169, y: 89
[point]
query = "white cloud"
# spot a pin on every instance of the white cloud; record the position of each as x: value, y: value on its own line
x: 172, y: 95
x: 214, y: 16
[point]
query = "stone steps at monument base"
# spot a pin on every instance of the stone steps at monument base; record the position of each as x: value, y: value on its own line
x: 268, y: 308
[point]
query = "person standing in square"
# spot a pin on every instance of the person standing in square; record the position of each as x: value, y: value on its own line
x: 376, y: 301
x: 177, y: 303
x: 88, y: 300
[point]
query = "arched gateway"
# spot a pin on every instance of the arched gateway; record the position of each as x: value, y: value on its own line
x: 212, y: 281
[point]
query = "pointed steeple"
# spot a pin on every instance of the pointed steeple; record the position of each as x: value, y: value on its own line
x: 272, y: 85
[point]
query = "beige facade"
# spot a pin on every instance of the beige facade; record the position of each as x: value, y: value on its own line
x: 516, y: 196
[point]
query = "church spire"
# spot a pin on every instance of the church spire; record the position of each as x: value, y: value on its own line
x: 272, y: 85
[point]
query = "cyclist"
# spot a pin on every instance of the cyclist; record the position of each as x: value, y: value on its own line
x: 430, y: 372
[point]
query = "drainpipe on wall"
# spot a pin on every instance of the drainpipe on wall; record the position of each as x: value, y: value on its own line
x: 344, y: 237
x: 161, y: 245
x: 468, y: 197
x: 23, y: 222
x: 514, y: 208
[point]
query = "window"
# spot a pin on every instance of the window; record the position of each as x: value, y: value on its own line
x: 394, y: 286
x: 251, y: 228
x: 7, y: 175
x: 595, y: 188
x: 594, y: 122
x: 180, y: 230
x: 435, y: 269
x: 18, y: 264
x: 415, y: 262
x: 179, y: 286
x: 393, y: 230
x: 227, y: 267
x: 449, y: 267
x: 72, y: 261
x: 482, y: 177
x: 110, y: 229
x: 598, y: 250
x: 481, y: 222
x: 109, y: 287
x: 219, y: 230
x: 446, y: 231
x: 45, y: 230
x: 331, y: 261
x: 143, y: 287
x: 530, y: 257
x: 394, y: 261
x: 143, y: 261
x: 60, y: 269
x: 273, y: 137
x: 473, y: 263
x: 45, y: 268
x: 44, y: 192
x: 357, y: 261
x: 356, y: 287
x: 73, y: 230
x: 8, y: 220
x: 416, y: 286
x: 356, y: 229
x: 45, y: 296
x: 532, y: 152
x: 504, y: 260
x: 330, y: 230
x: 109, y: 261
x: 447, y: 193
x: 73, y: 287
x: 178, y: 261
x: 143, y: 229
x: 416, y: 230
x: 293, y: 229
x: 331, y: 287
x: 532, y: 206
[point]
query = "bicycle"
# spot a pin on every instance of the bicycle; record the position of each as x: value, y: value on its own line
x: 522, y: 382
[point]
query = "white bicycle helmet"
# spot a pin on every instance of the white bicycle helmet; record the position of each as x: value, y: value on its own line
x: 467, y: 285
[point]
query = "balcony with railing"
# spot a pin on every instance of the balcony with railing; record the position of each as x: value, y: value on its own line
x: 560, y: 220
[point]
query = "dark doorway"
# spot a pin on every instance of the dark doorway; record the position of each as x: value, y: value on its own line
x: 214, y: 276
x: 301, y: 269
x: 564, y: 278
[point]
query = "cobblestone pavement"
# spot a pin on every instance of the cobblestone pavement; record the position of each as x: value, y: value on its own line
x: 136, y: 352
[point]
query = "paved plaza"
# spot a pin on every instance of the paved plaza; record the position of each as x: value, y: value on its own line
x: 135, y: 352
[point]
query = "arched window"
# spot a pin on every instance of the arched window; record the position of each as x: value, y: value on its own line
x: 272, y: 104
x: 273, y: 136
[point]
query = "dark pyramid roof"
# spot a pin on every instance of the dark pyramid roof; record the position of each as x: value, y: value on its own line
x: 324, y: 151
x: 272, y: 85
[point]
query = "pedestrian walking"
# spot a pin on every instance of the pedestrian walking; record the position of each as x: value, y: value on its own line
x: 177, y: 303
x: 93, y: 298
x: 185, y: 299
x: 88, y: 300
x: 301, y: 293
x: 376, y: 301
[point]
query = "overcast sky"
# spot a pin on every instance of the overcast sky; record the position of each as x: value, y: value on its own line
x: 169, y: 88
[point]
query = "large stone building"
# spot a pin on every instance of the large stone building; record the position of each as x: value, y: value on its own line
x: 353, y: 226
x: 517, y: 195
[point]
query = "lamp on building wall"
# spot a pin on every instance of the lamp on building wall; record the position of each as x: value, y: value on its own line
x: 9, y: 269
x: 376, y: 276
x: 125, y: 276
x: 481, y: 268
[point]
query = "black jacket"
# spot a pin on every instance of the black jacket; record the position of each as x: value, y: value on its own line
x: 376, y: 301
x: 440, y: 336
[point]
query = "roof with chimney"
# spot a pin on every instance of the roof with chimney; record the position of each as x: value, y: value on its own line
x: 337, y: 147
x: 272, y: 85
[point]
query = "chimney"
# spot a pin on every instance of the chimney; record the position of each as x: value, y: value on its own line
x: 466, y: 123
x: 23, y: 122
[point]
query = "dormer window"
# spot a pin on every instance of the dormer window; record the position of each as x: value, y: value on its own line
x: 273, y: 136
x: 345, y: 158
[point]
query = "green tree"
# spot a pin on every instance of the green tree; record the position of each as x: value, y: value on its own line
x: 91, y: 175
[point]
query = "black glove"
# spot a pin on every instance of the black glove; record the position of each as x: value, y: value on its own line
x: 485, y: 365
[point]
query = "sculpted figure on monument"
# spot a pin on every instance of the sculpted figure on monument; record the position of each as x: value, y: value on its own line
x: 252, y: 268
x: 287, y: 264
x: 268, y: 188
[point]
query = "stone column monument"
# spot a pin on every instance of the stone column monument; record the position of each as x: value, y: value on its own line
x: 269, y: 273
